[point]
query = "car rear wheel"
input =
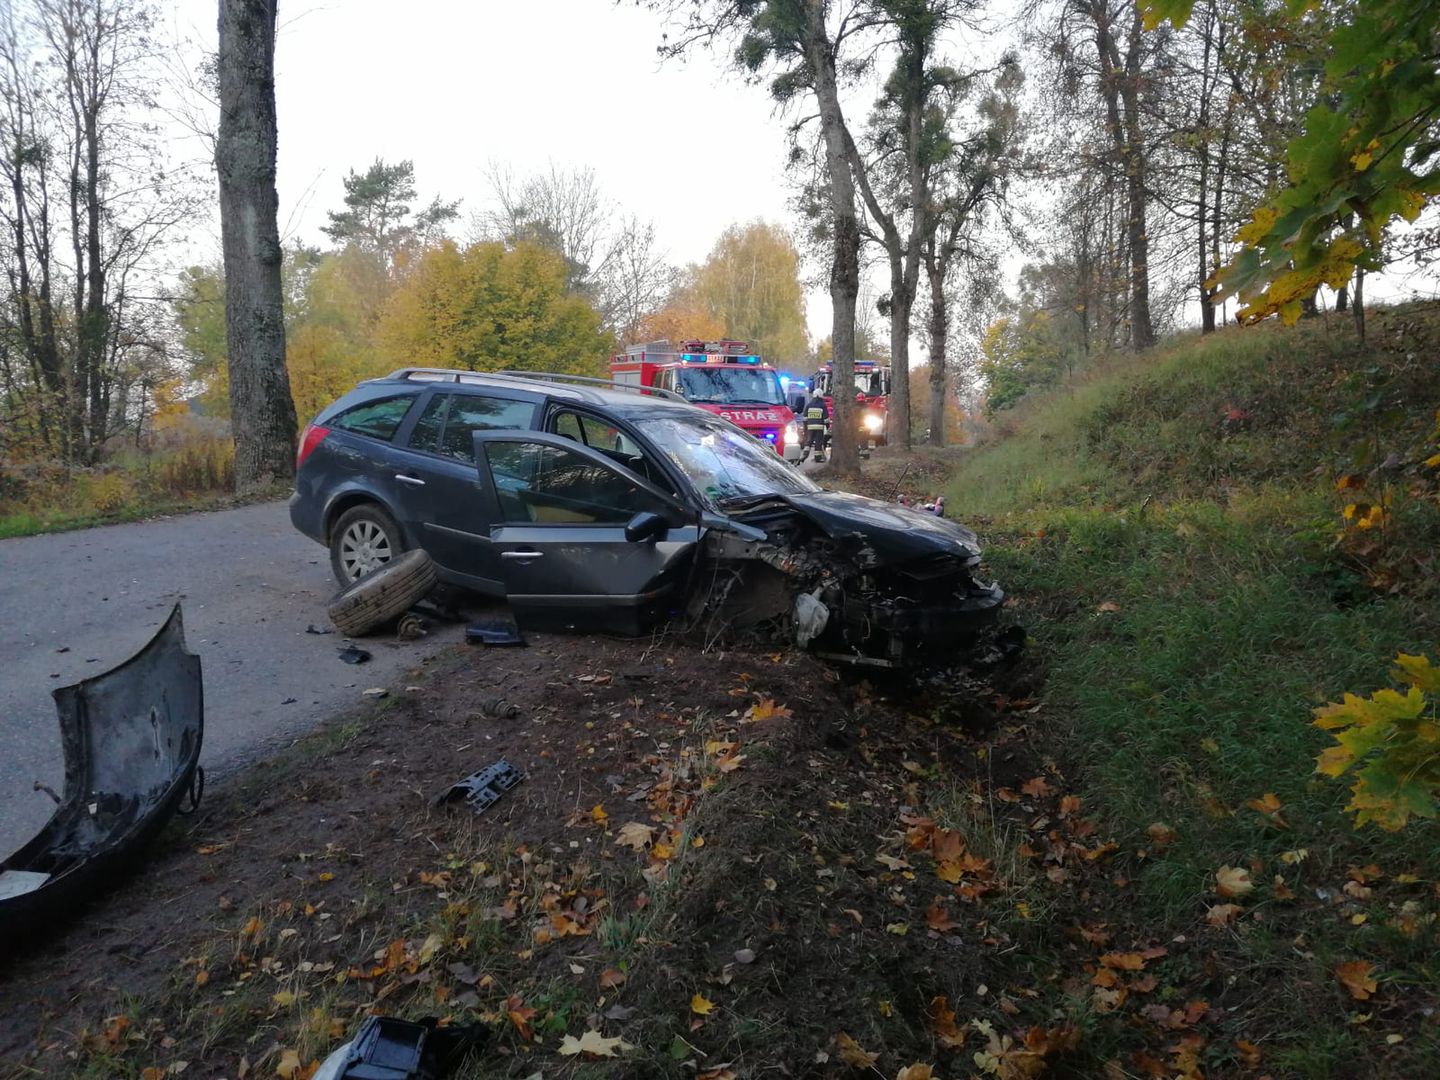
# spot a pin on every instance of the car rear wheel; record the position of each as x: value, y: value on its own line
x: 384, y: 595
x: 362, y: 541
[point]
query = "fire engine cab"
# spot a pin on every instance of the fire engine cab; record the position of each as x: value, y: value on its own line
x: 723, y: 377
x: 872, y: 397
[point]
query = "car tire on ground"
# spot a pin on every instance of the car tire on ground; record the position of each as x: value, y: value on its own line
x: 383, y: 595
x: 363, y: 540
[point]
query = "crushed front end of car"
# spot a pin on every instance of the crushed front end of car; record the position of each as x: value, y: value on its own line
x: 854, y: 580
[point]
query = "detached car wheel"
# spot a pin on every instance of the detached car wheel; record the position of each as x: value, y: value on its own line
x: 363, y: 540
x: 384, y: 594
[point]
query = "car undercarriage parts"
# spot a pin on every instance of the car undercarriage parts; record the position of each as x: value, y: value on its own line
x: 384, y: 594
x: 483, y: 789
x: 386, y: 1048
x: 131, y: 741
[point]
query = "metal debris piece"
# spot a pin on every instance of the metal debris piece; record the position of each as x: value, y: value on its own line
x: 498, y: 708
x: 386, y: 1048
x: 313, y: 629
x: 410, y: 627
x: 352, y: 654
x: 483, y: 789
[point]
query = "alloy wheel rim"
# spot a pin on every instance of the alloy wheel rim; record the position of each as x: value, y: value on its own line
x: 364, y: 548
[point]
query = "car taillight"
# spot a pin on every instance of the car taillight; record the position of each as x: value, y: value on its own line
x: 313, y: 437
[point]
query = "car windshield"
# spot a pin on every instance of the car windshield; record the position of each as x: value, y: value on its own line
x: 730, y: 385
x: 723, y: 462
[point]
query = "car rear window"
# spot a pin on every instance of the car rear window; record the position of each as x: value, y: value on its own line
x: 379, y: 418
x: 470, y: 413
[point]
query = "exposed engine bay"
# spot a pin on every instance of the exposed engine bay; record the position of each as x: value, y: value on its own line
x: 902, y: 593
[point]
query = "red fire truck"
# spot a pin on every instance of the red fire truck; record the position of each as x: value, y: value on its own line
x: 723, y: 377
x: 872, y: 397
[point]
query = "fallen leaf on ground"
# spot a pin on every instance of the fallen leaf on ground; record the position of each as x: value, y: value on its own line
x: 598, y: 814
x: 701, y: 1005
x: 289, y: 1064
x: 1223, y: 914
x: 938, y: 918
x: 1232, y: 881
x: 916, y: 1072
x: 1036, y: 787
x: 610, y: 978
x: 1268, y: 807
x: 852, y: 1054
x: 764, y: 709
x: 1161, y: 835
x: 635, y: 835
x: 1355, y: 976
x: 592, y: 1042
x: 942, y: 1022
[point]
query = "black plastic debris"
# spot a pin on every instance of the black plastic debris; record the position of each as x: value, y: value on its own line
x: 311, y: 628
x: 389, y: 1049
x: 494, y: 628
x: 483, y: 789
x: 353, y: 655
x: 131, y: 738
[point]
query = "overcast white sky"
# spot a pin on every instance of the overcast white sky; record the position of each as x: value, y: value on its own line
x: 454, y: 85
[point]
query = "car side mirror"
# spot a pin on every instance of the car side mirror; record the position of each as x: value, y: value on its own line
x: 646, y: 526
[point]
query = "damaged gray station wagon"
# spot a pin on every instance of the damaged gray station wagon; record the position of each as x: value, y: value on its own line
x: 593, y: 507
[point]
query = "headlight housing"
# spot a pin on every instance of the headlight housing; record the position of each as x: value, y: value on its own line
x: 872, y: 422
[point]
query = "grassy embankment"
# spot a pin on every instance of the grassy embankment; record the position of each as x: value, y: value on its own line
x: 1173, y: 533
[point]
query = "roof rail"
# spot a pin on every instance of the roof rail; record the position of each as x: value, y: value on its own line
x: 460, y: 375
x: 585, y: 380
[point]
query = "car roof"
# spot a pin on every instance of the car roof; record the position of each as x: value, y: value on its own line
x: 561, y: 386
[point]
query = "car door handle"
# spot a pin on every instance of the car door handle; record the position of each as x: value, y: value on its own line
x: 521, y: 554
x: 413, y: 481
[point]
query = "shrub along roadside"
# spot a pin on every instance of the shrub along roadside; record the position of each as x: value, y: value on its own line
x: 196, y: 474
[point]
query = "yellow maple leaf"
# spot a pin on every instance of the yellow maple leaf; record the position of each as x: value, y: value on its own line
x: 701, y: 1005
x: 1233, y: 881
x: 852, y: 1054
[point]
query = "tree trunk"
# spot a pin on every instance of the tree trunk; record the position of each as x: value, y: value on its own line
x: 1359, y: 304
x: 1142, y: 333
x: 845, y: 263
x: 902, y: 301
x: 261, y: 409
x: 939, y: 346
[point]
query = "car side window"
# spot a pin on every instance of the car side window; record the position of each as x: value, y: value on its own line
x: 550, y: 485
x: 470, y: 413
x: 601, y: 435
x: 379, y: 418
x: 426, y: 433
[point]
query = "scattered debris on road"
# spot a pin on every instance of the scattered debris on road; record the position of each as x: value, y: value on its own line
x: 387, y: 1048
x: 353, y: 654
x: 131, y: 741
x: 483, y: 789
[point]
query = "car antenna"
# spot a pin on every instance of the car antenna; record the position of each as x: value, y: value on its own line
x: 895, y: 490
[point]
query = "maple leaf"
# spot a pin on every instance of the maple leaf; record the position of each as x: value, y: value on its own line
x: 610, y: 979
x: 1355, y: 976
x: 891, y: 862
x: 593, y: 1043
x: 949, y: 872
x: 520, y: 1015
x: 942, y: 1023
x: 1223, y: 914
x: 938, y: 919
x: 598, y: 814
x: 946, y: 845
x: 634, y: 834
x: 1036, y: 787
x: 765, y: 709
x: 1268, y: 807
x: 1131, y: 961
x: 852, y: 1054
x: 289, y: 1065
x: 729, y: 764
x: 917, y: 1071
x: 1232, y: 881
x: 701, y: 1005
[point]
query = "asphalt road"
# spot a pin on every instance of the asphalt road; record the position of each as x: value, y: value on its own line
x: 249, y: 584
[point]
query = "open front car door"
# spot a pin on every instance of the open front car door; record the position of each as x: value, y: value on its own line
x: 583, y: 542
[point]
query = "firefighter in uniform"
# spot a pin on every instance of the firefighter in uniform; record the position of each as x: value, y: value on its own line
x: 817, y: 415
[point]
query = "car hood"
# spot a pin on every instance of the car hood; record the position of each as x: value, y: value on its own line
x: 896, y: 533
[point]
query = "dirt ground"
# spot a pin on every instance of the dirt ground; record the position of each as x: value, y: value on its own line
x: 724, y: 863
x: 726, y: 857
